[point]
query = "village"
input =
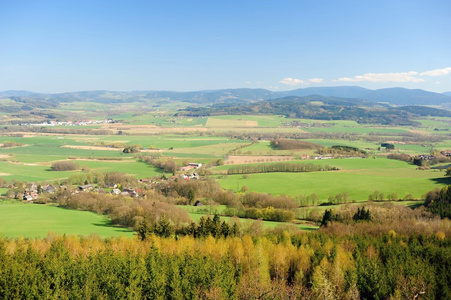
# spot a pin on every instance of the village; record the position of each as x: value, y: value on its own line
x: 69, y: 123
x: 32, y: 191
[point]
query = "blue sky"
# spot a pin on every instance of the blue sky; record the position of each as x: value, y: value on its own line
x: 58, y: 46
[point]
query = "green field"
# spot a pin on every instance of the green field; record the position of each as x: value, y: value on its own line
x: 197, y: 212
x: 357, y: 177
x: 35, y: 220
x: 222, y: 136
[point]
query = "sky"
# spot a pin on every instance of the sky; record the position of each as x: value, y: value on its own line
x: 77, y: 45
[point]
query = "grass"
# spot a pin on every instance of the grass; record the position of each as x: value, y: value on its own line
x: 34, y: 220
x: 358, y: 177
x: 246, y: 222
x: 197, y: 212
x: 319, y: 210
x: 42, y: 172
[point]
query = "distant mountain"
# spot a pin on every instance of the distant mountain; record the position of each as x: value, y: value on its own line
x: 394, y: 96
x: 214, y: 96
x: 332, y: 91
x: 447, y: 94
x: 314, y: 107
x: 402, y: 96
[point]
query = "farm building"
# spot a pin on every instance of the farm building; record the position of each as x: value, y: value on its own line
x: 86, y: 187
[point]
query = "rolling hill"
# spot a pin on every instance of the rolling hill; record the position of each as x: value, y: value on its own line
x: 392, y: 96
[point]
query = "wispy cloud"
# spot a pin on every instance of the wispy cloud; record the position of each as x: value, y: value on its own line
x: 411, y: 76
x: 316, y: 80
x: 292, y: 81
x: 437, y: 72
x: 384, y: 77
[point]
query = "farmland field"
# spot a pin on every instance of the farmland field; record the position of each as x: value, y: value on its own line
x: 31, y: 220
x: 357, y: 177
x: 220, y: 142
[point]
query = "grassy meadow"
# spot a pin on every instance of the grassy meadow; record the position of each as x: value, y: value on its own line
x: 357, y: 177
x: 33, y: 220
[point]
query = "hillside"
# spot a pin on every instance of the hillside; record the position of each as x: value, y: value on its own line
x: 333, y: 91
x: 401, y: 96
x: 314, y: 107
x: 394, y: 96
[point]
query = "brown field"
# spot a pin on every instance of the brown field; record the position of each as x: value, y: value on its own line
x: 419, y: 131
x: 91, y: 148
x: 243, y: 159
x: 238, y: 123
x: 120, y: 126
x: 32, y: 134
x: 152, y: 129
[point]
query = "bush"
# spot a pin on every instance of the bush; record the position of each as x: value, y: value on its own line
x: 132, y: 149
x: 64, y: 166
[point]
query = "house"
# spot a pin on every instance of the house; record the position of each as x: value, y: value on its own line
x: 86, y: 187
x: 31, y: 188
x: 194, y: 176
x: 129, y: 192
x: 115, y: 191
x: 195, y: 165
x: 187, y: 168
x: 47, y: 188
x: 111, y: 185
x: 446, y: 153
x: 27, y: 198
x: 198, y: 203
x: 189, y: 176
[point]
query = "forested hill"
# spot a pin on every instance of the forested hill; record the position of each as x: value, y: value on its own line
x: 323, y: 108
x: 401, y: 96
x: 394, y: 96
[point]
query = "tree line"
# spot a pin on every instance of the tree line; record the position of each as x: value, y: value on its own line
x: 438, y: 201
x: 278, y: 167
x: 291, y: 144
x: 275, y: 266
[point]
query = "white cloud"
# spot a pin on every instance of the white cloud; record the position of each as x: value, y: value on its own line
x: 292, y: 81
x: 316, y: 80
x: 384, y: 77
x: 437, y: 72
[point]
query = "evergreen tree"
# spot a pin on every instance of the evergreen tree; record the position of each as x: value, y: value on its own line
x: 191, y: 196
x: 327, y: 217
x: 143, y: 229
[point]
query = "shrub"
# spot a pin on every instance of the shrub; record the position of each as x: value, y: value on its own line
x: 64, y: 166
x: 132, y: 149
